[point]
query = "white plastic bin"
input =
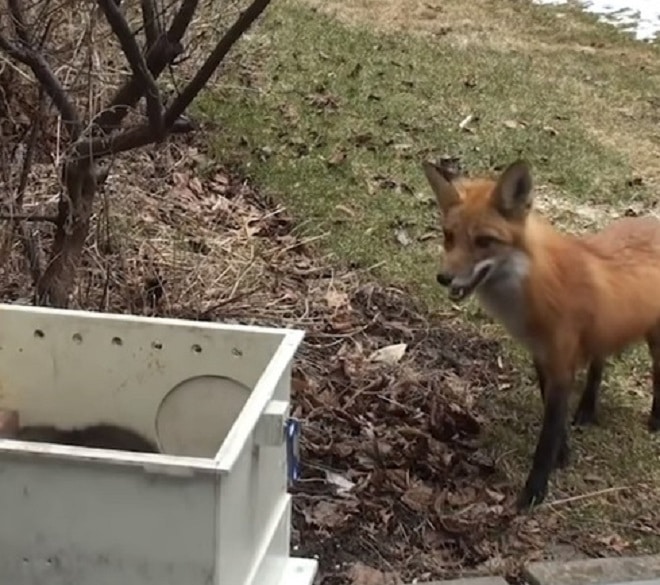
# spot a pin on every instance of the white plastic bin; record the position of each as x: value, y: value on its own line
x: 212, y: 509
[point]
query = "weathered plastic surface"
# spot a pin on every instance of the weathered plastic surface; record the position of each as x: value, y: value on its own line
x: 468, y: 581
x: 607, y: 571
x: 645, y: 582
x: 213, y: 510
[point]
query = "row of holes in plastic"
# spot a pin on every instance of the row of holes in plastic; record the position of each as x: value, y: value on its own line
x: 77, y: 338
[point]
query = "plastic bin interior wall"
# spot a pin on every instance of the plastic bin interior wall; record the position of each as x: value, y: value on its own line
x: 212, y: 509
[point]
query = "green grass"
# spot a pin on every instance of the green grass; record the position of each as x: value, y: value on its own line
x: 312, y: 107
x: 333, y: 115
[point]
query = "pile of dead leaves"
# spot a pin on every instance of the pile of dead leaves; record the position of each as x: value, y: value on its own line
x: 396, y: 486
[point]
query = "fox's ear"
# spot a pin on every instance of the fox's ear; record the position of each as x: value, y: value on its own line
x: 513, y: 195
x: 441, y: 183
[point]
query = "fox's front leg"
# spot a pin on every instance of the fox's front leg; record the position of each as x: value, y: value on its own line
x: 554, y: 433
x: 564, y: 454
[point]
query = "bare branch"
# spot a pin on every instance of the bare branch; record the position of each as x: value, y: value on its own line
x: 164, y: 51
x: 197, y: 83
x: 138, y: 65
x: 79, y: 157
x: 25, y: 54
x: 128, y: 140
x: 28, y: 238
x: 182, y: 20
x: 151, y: 25
x: 143, y: 135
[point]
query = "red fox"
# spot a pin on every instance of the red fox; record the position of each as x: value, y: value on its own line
x: 571, y: 300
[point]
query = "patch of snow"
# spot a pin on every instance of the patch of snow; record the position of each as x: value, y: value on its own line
x: 642, y: 17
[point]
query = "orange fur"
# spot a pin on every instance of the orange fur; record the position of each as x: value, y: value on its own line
x: 594, y: 294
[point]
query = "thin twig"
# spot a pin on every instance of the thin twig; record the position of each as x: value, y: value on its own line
x: 27, y: 217
x: 231, y: 299
x: 138, y: 65
x: 587, y: 496
x: 29, y: 153
x: 32, y: 250
x: 16, y: 11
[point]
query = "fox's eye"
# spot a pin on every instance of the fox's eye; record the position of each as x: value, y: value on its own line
x: 485, y: 241
x: 449, y: 238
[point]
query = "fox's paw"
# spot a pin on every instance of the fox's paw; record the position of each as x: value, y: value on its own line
x: 585, y: 416
x: 653, y: 423
x: 564, y: 456
x: 532, y: 495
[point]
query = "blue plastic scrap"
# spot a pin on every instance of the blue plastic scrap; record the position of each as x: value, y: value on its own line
x: 293, y: 427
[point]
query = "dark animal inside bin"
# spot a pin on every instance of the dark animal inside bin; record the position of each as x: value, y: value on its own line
x: 97, y: 436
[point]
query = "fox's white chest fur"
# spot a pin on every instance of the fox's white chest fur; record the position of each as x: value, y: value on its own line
x: 502, y: 296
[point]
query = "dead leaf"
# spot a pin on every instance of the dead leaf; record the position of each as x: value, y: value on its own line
x: 337, y: 158
x: 418, y: 498
x: 361, y: 574
x: 345, y: 209
x: 335, y: 298
x: 402, y: 237
x: 390, y: 354
x: 221, y: 204
x: 328, y: 514
x: 550, y: 130
x: 428, y: 236
x: 461, y: 498
x: 342, y: 484
x: 593, y: 478
x: 179, y: 179
x: 363, y: 139
x: 513, y: 124
x: 615, y: 542
x: 425, y: 197
x: 195, y: 186
x: 494, y: 496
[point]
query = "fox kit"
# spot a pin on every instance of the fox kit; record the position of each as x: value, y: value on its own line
x: 572, y: 301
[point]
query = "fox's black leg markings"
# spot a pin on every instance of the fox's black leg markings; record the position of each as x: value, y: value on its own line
x: 653, y: 342
x: 585, y: 414
x: 551, y: 440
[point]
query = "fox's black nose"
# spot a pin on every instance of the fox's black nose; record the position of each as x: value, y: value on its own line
x: 443, y: 279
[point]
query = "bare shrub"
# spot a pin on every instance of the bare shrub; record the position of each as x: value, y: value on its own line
x: 80, y: 82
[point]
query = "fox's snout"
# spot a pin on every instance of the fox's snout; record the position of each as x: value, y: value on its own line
x: 462, y: 285
x: 456, y: 285
x: 444, y: 279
